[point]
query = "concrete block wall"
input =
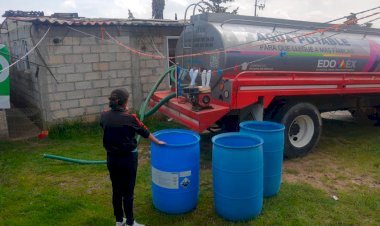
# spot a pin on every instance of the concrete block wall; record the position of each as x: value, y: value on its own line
x: 24, y: 81
x: 150, y: 68
x: 88, y: 69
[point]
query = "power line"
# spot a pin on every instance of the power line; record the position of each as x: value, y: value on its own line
x: 42, y: 38
x: 361, y: 12
x: 134, y: 50
x: 378, y: 18
x: 18, y: 58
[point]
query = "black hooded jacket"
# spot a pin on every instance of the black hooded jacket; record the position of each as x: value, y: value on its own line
x: 120, y: 129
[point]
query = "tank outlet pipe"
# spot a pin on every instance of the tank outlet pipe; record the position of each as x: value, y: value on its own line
x: 142, y: 114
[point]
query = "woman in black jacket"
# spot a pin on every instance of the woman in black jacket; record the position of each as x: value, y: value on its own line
x: 119, y: 140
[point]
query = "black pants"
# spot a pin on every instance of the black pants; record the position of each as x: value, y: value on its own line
x: 123, y: 171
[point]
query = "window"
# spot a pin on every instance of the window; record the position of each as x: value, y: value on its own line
x: 15, y: 57
x: 171, y: 44
x: 25, y: 50
x: 19, y: 50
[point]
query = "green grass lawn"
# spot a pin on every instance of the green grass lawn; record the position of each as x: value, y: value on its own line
x: 38, y: 191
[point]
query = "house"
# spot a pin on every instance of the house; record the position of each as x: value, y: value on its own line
x: 76, y: 62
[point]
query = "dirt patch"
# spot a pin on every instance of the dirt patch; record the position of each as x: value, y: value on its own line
x: 144, y: 153
x: 326, y: 174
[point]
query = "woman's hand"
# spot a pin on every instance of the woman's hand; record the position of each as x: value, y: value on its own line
x: 155, y: 140
x: 160, y: 142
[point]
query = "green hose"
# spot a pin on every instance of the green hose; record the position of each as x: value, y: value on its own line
x: 142, y: 115
x: 158, y: 82
x: 162, y: 102
x: 170, y: 71
x: 79, y: 161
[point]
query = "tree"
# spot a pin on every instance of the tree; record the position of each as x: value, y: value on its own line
x: 158, y: 9
x: 130, y: 15
x: 216, y: 6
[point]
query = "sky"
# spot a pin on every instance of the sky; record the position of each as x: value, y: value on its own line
x: 307, y: 10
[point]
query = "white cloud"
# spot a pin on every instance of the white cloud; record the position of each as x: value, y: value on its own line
x: 69, y: 4
x: 139, y: 8
x: 178, y: 7
x: 184, y: 3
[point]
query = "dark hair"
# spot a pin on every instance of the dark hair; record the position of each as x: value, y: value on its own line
x: 118, y: 98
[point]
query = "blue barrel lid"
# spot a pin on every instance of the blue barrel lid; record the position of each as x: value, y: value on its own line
x: 257, y: 141
x: 179, y: 131
x: 262, y: 126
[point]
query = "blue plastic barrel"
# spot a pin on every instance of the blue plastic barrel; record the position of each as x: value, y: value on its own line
x: 273, y: 136
x: 175, y: 171
x: 237, y: 170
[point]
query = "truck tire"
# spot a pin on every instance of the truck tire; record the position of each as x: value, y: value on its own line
x: 303, y: 128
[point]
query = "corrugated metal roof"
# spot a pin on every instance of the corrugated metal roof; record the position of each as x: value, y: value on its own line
x: 98, y: 21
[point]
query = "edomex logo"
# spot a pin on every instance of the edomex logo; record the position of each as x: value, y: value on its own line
x: 3, y: 65
x: 338, y: 64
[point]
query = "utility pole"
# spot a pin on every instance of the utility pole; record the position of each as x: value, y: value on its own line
x: 261, y: 6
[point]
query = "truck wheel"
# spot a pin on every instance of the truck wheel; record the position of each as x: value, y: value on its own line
x: 303, y: 127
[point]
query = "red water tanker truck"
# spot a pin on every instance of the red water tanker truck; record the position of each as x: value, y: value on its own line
x: 237, y: 68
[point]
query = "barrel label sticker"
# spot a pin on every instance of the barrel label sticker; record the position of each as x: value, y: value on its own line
x: 165, y: 179
x: 185, y: 182
x: 185, y: 173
